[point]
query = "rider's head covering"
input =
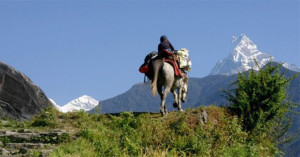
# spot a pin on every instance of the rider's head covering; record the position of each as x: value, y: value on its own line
x: 163, y: 38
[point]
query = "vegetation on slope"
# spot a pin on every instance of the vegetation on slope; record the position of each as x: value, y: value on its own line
x: 145, y: 134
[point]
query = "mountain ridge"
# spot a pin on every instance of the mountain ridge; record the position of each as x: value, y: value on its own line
x: 202, y: 91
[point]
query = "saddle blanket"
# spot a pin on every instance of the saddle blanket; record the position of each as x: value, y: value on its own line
x: 178, y: 72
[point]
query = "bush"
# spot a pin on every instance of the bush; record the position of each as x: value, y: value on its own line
x: 48, y: 118
x: 259, y: 98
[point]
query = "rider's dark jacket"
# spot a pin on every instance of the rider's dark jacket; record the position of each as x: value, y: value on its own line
x: 165, y: 48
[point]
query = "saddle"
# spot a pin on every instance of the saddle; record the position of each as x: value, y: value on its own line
x: 178, y: 72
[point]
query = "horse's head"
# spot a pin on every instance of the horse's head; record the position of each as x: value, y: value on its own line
x: 184, y: 88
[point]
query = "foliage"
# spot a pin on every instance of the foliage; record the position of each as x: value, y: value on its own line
x: 260, y: 100
x: 259, y: 97
x: 46, y: 119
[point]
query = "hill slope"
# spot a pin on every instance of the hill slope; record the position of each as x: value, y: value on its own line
x: 205, y: 131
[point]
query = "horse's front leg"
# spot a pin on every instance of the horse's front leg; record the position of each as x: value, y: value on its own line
x: 175, y: 103
x: 179, y: 99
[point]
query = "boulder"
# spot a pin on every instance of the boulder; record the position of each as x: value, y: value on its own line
x: 20, y: 98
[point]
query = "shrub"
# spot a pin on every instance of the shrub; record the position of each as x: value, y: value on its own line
x: 47, y: 118
x: 259, y: 98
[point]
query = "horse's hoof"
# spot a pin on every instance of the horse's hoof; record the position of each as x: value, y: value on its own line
x: 181, y: 110
x: 183, y: 100
x: 162, y: 113
x: 175, y: 105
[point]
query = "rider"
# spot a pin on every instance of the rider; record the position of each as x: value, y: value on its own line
x: 165, y: 48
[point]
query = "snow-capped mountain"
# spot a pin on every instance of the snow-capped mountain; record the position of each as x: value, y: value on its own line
x: 84, y: 102
x: 291, y: 67
x: 55, y: 105
x: 242, y: 58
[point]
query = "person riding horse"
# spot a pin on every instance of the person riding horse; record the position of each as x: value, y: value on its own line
x: 165, y: 75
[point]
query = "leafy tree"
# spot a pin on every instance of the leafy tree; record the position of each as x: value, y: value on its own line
x: 259, y: 98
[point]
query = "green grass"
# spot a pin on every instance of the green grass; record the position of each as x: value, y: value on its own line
x: 130, y: 134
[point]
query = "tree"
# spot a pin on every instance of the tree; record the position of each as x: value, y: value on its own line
x: 259, y: 98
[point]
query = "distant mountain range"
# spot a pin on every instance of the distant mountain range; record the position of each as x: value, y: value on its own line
x: 242, y: 56
x: 202, y: 91
x: 84, y: 102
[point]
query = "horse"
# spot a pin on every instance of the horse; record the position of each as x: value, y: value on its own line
x: 164, y: 76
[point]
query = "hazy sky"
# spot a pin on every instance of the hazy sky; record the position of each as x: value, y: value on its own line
x: 71, y: 48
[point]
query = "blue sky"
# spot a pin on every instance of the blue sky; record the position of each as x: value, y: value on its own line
x: 72, y: 48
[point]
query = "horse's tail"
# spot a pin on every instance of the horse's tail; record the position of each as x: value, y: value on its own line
x: 156, y: 67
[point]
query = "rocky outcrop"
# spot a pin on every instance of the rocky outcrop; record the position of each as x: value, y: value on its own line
x: 20, y: 98
x: 24, y: 142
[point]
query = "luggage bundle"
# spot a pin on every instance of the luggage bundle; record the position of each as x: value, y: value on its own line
x: 146, y: 67
x: 185, y: 62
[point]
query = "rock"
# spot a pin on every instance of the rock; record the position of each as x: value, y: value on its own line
x: 53, y: 137
x: 203, y: 117
x: 24, y: 130
x: 4, y: 122
x: 3, y: 152
x: 24, y: 145
x: 20, y: 98
x: 26, y: 142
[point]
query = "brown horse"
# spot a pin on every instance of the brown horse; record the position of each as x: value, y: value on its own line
x: 164, y: 76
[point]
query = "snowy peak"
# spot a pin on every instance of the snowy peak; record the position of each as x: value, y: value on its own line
x: 243, y: 46
x: 84, y: 102
x: 291, y: 67
x: 243, y: 54
x: 55, y: 105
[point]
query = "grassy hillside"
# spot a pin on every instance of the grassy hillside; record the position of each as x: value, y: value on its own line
x: 185, y: 133
x: 202, y: 91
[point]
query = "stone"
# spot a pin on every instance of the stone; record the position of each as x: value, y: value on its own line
x: 20, y: 98
x: 1, y: 144
x: 24, y: 145
x: 203, y: 117
x: 4, y: 152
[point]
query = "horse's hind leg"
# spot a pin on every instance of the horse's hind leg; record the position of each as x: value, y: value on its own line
x: 163, y: 102
x: 159, y: 90
x: 175, y: 103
